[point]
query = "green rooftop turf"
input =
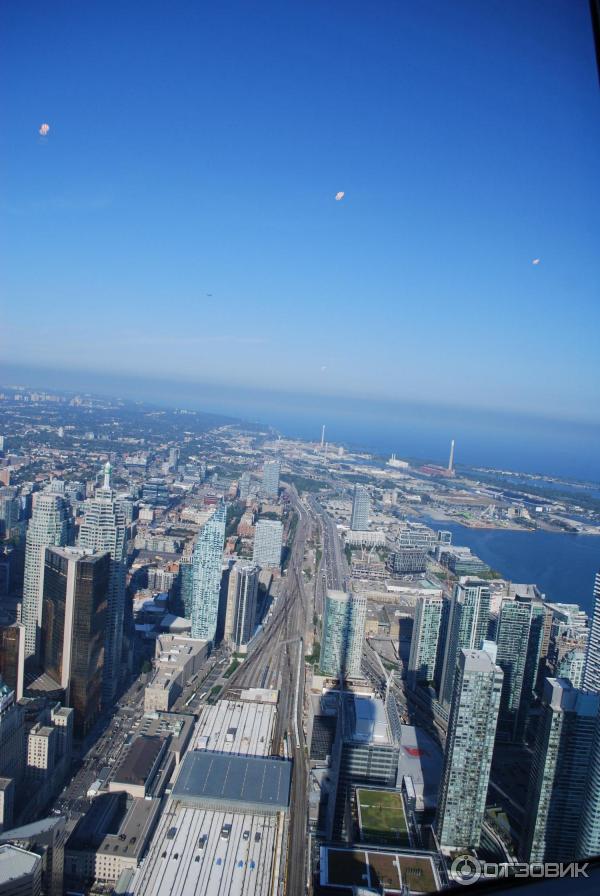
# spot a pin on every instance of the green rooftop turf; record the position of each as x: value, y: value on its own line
x: 382, y: 818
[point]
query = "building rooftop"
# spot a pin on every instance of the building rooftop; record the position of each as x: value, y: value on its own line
x: 190, y: 855
x: 420, y: 759
x: 562, y: 696
x: 135, y: 826
x: 368, y: 720
x: 178, y: 725
x: 15, y: 862
x: 104, y: 813
x: 381, y: 817
x: 172, y: 655
x: 379, y: 870
x: 138, y: 762
x: 260, y: 695
x: 232, y: 726
x: 175, y: 651
x: 323, y: 735
x: 32, y: 830
x: 42, y: 731
x: 115, y: 825
x: 43, y: 684
x: 479, y: 660
x: 229, y: 781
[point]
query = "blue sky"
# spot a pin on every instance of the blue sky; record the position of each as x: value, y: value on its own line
x: 196, y: 149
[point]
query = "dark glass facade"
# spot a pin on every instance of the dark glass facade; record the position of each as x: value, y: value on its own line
x: 73, y: 629
x: 10, y: 639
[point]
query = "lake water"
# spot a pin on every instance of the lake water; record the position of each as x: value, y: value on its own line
x: 508, y: 441
x: 563, y: 566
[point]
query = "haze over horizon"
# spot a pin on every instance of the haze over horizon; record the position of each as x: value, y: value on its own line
x: 517, y: 441
x: 171, y: 210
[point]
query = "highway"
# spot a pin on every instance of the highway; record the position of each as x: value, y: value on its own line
x: 277, y: 660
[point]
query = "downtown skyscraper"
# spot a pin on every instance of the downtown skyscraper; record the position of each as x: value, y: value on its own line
x: 425, y: 639
x: 268, y: 542
x: 361, y: 507
x: 50, y: 524
x: 591, y: 672
x: 469, y: 748
x: 514, y: 626
x: 343, y: 634
x: 468, y: 622
x: 555, y: 827
x: 588, y: 838
x: 104, y: 530
x: 270, y: 480
x: 242, y: 597
x: 75, y: 599
x: 207, y: 561
x: 244, y: 486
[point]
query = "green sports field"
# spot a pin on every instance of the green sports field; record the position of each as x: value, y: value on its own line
x: 381, y: 817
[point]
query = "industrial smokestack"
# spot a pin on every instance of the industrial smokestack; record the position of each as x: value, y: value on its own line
x: 323, y: 436
x: 451, y: 460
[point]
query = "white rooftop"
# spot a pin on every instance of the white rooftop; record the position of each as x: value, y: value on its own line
x: 260, y: 695
x: 15, y: 863
x: 232, y: 726
x: 371, y: 723
x: 192, y: 852
x: 235, y: 864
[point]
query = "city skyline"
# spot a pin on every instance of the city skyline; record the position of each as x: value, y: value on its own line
x: 370, y: 653
x: 299, y: 445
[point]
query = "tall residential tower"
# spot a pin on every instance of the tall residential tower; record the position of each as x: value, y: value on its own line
x: 425, y: 640
x: 343, y: 634
x: 558, y: 782
x: 514, y: 625
x: 268, y: 541
x: 467, y: 627
x: 591, y: 672
x: 270, y: 480
x: 361, y: 507
x: 469, y: 748
x: 242, y: 596
x: 207, y: 562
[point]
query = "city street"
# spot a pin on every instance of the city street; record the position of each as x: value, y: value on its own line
x: 103, y: 752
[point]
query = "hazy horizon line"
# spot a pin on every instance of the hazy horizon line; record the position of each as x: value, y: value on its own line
x: 240, y: 390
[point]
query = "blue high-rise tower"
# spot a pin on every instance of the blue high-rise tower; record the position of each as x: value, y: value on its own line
x: 206, y: 576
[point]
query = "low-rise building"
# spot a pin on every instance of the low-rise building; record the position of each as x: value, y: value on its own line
x: 109, y: 839
x: 223, y: 827
x: 408, y: 561
x: 135, y: 772
x: 365, y: 538
x: 176, y: 727
x: 176, y: 661
x: 419, y: 769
